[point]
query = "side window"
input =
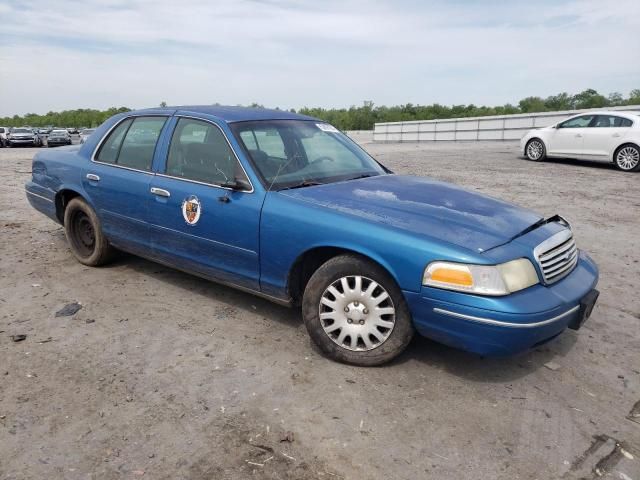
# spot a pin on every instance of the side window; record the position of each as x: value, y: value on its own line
x: 578, y: 122
x: 109, y: 150
x: 199, y: 151
x: 622, y: 122
x: 140, y: 142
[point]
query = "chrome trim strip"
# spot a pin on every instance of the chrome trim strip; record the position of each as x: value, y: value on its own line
x: 204, y: 183
x: 499, y: 323
x: 39, y: 196
x: 146, y: 172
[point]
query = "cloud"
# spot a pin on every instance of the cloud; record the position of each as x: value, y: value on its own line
x: 296, y: 53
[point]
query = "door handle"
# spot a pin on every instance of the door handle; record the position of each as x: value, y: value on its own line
x: 93, y: 177
x: 578, y: 135
x: 161, y: 192
x: 615, y: 135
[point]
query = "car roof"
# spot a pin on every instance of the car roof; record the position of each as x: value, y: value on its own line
x: 229, y: 114
x: 621, y: 113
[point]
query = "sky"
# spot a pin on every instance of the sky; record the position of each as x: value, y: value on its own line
x: 57, y: 54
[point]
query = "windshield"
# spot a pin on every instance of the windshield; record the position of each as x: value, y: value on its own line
x: 21, y: 130
x: 59, y: 133
x: 290, y: 153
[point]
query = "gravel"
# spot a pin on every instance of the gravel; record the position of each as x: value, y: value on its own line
x: 165, y: 375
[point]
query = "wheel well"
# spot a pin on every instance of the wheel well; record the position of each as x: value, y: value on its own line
x: 615, y: 152
x: 531, y: 140
x: 307, y: 263
x: 63, y: 197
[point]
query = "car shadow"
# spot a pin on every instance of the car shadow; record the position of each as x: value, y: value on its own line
x: 578, y: 163
x: 477, y: 368
x: 462, y: 364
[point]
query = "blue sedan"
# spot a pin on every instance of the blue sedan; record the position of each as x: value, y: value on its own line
x: 287, y: 207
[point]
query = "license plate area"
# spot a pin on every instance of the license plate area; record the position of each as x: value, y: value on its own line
x: 586, y: 307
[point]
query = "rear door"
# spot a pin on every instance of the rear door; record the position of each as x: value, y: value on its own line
x: 606, y: 134
x: 567, y: 139
x: 118, y: 179
x: 197, y: 224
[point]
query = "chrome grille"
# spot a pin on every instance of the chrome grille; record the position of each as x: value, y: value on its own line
x: 557, y: 256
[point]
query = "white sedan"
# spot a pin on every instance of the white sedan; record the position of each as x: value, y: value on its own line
x: 607, y: 136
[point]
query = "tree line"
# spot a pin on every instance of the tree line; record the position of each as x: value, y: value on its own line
x: 364, y: 117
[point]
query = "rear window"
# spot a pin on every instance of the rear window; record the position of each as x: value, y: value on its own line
x: 132, y: 143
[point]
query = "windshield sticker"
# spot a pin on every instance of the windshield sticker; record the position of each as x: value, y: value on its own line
x: 191, y: 210
x: 325, y: 127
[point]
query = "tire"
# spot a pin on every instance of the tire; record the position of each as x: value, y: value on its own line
x: 394, y: 327
x: 84, y: 234
x: 627, y: 158
x: 535, y: 150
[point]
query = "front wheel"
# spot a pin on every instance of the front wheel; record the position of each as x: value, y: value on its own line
x: 355, y: 312
x: 627, y: 158
x: 535, y: 150
x: 84, y: 234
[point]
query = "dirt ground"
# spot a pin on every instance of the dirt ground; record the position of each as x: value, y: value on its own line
x: 162, y: 375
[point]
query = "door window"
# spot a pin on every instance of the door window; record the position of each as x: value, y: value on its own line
x: 612, y: 121
x: 109, y: 151
x: 199, y: 151
x: 140, y: 142
x: 132, y: 143
x: 578, y: 122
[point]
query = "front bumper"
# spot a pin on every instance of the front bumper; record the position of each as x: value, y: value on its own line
x: 22, y: 141
x: 496, y: 326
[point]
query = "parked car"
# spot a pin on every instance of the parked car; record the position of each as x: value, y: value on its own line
x: 86, y: 133
x: 601, y: 136
x: 72, y: 130
x: 58, y: 137
x: 19, y: 137
x: 44, y: 131
x: 4, y: 131
x: 288, y: 208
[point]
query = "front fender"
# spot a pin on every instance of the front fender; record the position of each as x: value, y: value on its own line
x: 291, y: 227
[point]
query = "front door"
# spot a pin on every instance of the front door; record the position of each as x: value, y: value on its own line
x: 197, y: 223
x: 567, y: 139
x: 117, y: 181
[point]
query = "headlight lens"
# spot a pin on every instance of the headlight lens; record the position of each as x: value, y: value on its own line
x: 500, y: 279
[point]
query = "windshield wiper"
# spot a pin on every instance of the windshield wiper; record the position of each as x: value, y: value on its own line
x: 304, y: 183
x: 364, y: 175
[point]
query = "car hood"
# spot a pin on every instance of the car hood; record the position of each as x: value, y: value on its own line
x: 424, y: 207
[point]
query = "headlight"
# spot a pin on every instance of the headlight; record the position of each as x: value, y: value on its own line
x: 500, y: 279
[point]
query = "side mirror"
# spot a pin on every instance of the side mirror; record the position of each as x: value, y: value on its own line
x: 238, y: 184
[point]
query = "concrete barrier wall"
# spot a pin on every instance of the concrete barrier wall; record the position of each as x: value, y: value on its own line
x: 498, y: 127
x: 360, y: 136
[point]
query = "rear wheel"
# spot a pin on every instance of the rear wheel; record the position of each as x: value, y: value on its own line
x: 627, y: 158
x: 84, y: 234
x: 535, y: 150
x: 355, y: 312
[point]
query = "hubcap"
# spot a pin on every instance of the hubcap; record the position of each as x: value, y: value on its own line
x: 628, y: 158
x: 357, y: 313
x: 534, y: 150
